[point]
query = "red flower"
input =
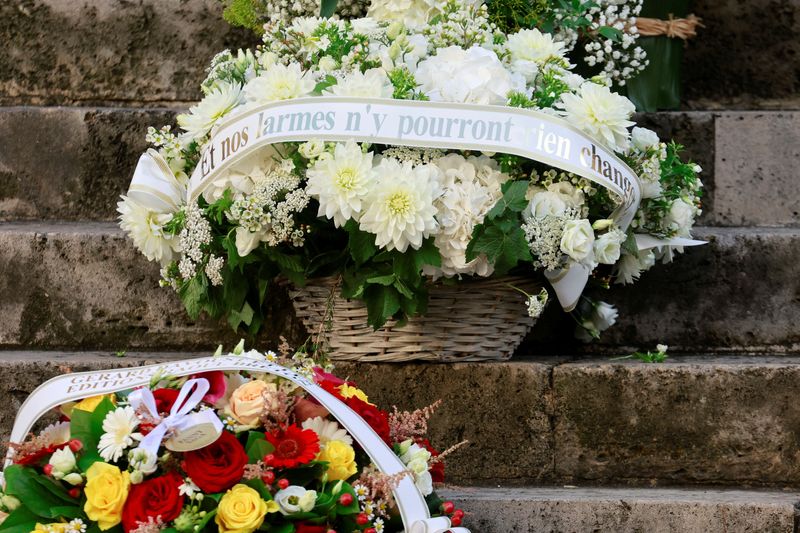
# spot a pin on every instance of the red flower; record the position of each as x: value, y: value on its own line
x: 377, y: 419
x: 218, y: 466
x: 321, y: 377
x: 216, y: 380
x: 437, y: 470
x: 156, y: 497
x: 165, y: 399
x: 305, y: 527
x: 293, y: 446
x: 36, y: 456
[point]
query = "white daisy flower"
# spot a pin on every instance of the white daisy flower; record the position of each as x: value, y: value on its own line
x: 119, y: 428
x: 341, y: 182
x: 327, y: 430
x: 146, y: 228
x: 401, y: 210
x: 600, y: 113
x: 218, y: 103
x: 280, y: 82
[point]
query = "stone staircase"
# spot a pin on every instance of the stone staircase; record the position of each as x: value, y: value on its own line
x: 563, y: 438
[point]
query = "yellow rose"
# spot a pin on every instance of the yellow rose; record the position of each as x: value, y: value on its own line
x: 55, y: 527
x: 247, y: 403
x: 341, y: 460
x: 87, y: 404
x: 348, y: 392
x: 241, y: 510
x: 106, y: 491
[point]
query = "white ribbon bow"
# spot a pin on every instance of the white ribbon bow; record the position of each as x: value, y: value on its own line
x: 185, y: 430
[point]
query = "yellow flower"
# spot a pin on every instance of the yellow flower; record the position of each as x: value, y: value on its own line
x: 248, y: 402
x: 90, y: 404
x: 348, y: 392
x: 51, y: 528
x: 341, y: 460
x: 106, y: 491
x: 241, y: 510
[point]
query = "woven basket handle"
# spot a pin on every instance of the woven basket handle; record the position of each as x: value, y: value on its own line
x: 73, y: 387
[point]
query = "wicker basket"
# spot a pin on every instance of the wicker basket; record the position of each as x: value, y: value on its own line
x: 476, y: 321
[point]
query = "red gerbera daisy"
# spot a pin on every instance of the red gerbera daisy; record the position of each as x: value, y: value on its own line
x: 293, y: 446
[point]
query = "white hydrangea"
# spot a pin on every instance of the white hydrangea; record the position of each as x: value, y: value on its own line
x: 374, y: 83
x: 401, y: 212
x: 219, y: 102
x: 279, y: 82
x: 600, y: 113
x: 341, y: 182
x: 474, y: 76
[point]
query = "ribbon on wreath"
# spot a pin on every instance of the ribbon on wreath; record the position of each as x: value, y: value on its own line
x: 184, y: 430
x: 450, y: 126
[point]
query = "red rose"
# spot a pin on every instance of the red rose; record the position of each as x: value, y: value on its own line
x: 218, y: 466
x: 165, y: 399
x: 156, y: 497
x: 305, y: 527
x: 377, y: 419
x: 217, y: 385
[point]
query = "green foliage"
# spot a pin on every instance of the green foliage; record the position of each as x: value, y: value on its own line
x: 245, y: 13
x: 42, y: 497
x: 405, y: 85
x: 511, y: 15
x: 257, y: 446
x: 88, y: 428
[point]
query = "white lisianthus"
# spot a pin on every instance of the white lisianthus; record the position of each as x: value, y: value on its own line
x: 578, y: 239
x: 143, y: 460
x: 219, y: 102
x: 146, y: 228
x: 63, y: 462
x: 599, y: 112
x: 631, y: 266
x: 530, y: 49
x: 554, y: 200
x: 280, y: 82
x: 295, y: 499
x: 643, y: 139
x: 414, y: 14
x: 607, y: 247
x: 422, y: 476
x: 341, y: 182
x: 247, y: 241
x: 680, y: 217
x: 374, y: 83
x: 327, y: 430
x: 119, y: 428
x: 603, y: 316
x: 327, y: 64
x: 401, y: 210
x: 74, y: 479
x: 475, y: 76
x: 312, y: 149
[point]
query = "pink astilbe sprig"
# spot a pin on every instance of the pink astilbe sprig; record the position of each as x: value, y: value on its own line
x: 278, y: 409
x: 153, y: 525
x: 379, y: 486
x: 404, y: 425
x: 255, y: 471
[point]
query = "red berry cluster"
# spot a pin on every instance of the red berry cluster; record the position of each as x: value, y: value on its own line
x: 456, y: 515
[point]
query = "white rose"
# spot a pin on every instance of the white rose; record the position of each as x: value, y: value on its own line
x: 643, y: 138
x: 475, y: 76
x: 63, y: 462
x: 327, y: 64
x: 577, y: 239
x: 312, y: 149
x: 546, y: 203
x: 295, y: 499
x: 681, y: 217
x: 607, y: 247
x: 573, y: 195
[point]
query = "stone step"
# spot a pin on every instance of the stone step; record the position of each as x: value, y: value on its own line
x: 579, y: 510
x: 748, y: 160
x: 126, y: 53
x: 694, y: 420
x: 83, y: 285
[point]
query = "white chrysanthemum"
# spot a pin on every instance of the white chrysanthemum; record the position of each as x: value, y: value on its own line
x: 463, y: 204
x: 475, y: 76
x: 600, y: 113
x: 530, y: 49
x: 280, y: 82
x: 146, y: 228
x: 374, y: 83
x: 631, y: 266
x: 327, y: 430
x: 341, y: 182
x: 401, y: 210
x: 119, y: 428
x: 414, y: 14
x: 218, y: 103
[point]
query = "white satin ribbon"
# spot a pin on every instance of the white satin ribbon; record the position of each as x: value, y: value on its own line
x: 204, y: 426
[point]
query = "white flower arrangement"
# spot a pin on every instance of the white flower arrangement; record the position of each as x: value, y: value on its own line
x: 392, y: 219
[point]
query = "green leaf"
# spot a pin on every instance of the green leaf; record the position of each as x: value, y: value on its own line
x: 88, y: 428
x: 193, y: 294
x: 504, y: 249
x: 327, y: 8
x: 382, y: 280
x: 353, y: 508
x: 257, y: 446
x: 361, y: 244
x: 282, y: 528
x: 382, y: 303
x: 40, y: 494
x: 22, y: 520
x: 244, y: 315
x: 259, y: 486
x: 513, y: 199
x: 610, y: 33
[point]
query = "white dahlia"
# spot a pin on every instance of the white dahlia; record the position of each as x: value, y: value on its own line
x: 600, y: 113
x: 474, y: 76
x: 341, y: 182
x: 280, y: 82
x: 374, y: 83
x: 146, y: 228
x: 401, y: 210
x: 530, y: 49
x: 327, y: 430
x: 218, y: 103
x: 119, y: 428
